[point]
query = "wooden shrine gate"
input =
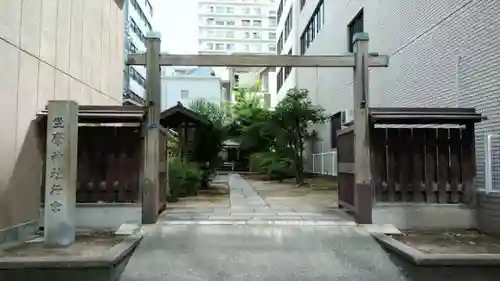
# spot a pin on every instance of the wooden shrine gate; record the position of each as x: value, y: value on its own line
x: 360, y: 61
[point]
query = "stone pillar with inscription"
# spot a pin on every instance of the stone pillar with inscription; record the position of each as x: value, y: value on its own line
x: 60, y: 173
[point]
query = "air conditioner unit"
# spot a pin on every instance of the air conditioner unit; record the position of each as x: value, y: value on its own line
x: 347, y: 117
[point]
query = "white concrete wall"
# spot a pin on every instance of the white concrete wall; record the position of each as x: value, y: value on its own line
x: 248, y: 80
x: 442, y: 54
x: 198, y: 87
x: 50, y: 49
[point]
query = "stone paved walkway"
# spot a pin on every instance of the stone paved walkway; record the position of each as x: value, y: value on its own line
x: 250, y: 240
x: 247, y: 207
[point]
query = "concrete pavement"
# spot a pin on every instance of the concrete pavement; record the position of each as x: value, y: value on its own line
x: 258, y: 246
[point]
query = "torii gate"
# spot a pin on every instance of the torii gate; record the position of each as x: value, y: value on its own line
x: 361, y: 60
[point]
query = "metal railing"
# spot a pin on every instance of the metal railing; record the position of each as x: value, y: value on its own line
x: 325, y: 163
x: 492, y: 163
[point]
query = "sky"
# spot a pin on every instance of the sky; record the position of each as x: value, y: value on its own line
x: 177, y: 22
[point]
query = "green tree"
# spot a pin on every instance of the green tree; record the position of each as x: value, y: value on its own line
x: 209, y: 140
x: 250, y: 122
x: 218, y: 114
x: 290, y: 122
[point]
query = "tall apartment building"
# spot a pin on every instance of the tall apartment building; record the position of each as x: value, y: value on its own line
x: 50, y: 49
x: 138, y: 21
x: 442, y: 54
x: 235, y: 26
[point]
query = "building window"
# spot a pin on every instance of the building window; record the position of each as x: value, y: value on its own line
x: 230, y: 22
x: 257, y: 47
x: 132, y: 48
x: 280, y: 9
x: 271, y: 47
x: 210, y: 21
x: 210, y: 9
x: 229, y: 34
x: 246, y: 11
x: 355, y: 26
x: 280, y: 44
x: 219, y: 10
x: 273, y: 22
x: 257, y: 11
x: 210, y: 46
x: 302, y: 3
x: 247, y: 34
x: 271, y: 13
x: 149, y: 7
x: 312, y: 28
x: 129, y: 94
x: 137, y: 77
x: 219, y: 46
x: 245, y: 22
x: 288, y: 69
x: 137, y: 31
x: 219, y: 22
x: 257, y: 23
x: 141, y: 12
x: 184, y: 94
x: 255, y: 35
x: 288, y: 25
x: 279, y: 79
x: 335, y: 125
x: 230, y: 46
x: 283, y: 73
x: 230, y: 10
x: 272, y: 35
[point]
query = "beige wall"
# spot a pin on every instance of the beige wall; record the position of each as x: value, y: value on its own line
x: 50, y: 49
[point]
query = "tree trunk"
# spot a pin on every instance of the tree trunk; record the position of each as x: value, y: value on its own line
x: 298, y: 151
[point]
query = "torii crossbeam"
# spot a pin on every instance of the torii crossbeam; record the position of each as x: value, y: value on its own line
x: 243, y: 60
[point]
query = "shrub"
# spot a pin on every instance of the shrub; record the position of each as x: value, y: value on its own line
x: 184, y: 178
x: 277, y: 167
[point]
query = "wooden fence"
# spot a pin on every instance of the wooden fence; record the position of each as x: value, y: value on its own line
x: 109, y: 163
x: 429, y: 165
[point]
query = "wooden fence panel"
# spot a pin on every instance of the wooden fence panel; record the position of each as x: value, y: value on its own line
x: 379, y: 165
x: 443, y: 165
x: 418, y: 172
x: 430, y: 165
x: 404, y: 162
x: 468, y: 163
x: 421, y: 164
x: 455, y: 167
x: 345, y: 159
x: 108, y: 164
x: 392, y: 168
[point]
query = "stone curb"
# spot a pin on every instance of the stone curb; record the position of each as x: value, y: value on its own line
x: 258, y: 222
x: 423, y: 259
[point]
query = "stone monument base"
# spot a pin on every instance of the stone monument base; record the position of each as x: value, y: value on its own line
x: 93, y: 256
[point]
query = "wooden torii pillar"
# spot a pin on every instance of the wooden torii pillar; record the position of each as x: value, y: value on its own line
x: 360, y: 61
